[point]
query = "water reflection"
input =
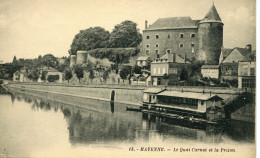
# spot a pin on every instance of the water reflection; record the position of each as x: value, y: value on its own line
x: 111, y: 123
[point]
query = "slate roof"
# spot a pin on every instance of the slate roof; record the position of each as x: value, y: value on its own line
x: 212, y: 15
x: 191, y: 95
x: 173, y: 23
x: 169, y: 57
x: 226, y: 52
x: 243, y: 51
x: 209, y: 66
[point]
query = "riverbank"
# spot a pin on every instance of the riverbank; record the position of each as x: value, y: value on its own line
x: 129, y: 95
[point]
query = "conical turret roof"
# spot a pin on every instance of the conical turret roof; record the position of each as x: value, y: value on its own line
x: 211, y: 16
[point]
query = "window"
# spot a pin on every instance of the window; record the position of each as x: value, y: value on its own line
x: 159, y: 70
x: 181, y: 45
x: 147, y: 46
x: 157, y: 36
x: 147, y: 37
x: 157, y: 45
x: 252, y: 71
x: 154, y: 70
x: 168, y: 51
x: 192, y: 35
x: 163, y: 70
x: 169, y: 36
x: 192, y: 48
x: 147, y: 52
x: 181, y: 35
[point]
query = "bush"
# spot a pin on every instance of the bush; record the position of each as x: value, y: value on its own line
x: 116, y: 55
x: 1, y: 81
x: 52, y: 78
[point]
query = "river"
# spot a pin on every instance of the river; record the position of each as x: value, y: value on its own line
x: 37, y: 125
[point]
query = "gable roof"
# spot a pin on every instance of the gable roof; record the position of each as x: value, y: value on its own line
x: 174, y: 23
x: 243, y: 51
x: 169, y: 57
x: 212, y: 15
x: 225, y: 52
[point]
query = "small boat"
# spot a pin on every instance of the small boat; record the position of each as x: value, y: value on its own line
x: 133, y: 109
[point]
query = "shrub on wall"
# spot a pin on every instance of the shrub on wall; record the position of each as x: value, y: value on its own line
x: 116, y: 55
x: 52, y: 78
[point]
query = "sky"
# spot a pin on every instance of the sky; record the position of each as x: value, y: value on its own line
x: 29, y: 28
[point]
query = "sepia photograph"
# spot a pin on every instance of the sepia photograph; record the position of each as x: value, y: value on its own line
x: 127, y: 78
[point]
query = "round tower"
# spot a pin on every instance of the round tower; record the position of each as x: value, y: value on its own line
x: 73, y: 59
x: 210, y: 32
x: 82, y: 57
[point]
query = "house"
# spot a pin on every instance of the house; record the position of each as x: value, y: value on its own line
x: 21, y: 75
x: 229, y: 66
x: 196, y: 39
x: 247, y: 72
x: 169, y: 64
x: 141, y: 79
x: 210, y: 71
x: 49, y: 71
x: 143, y: 61
x: 224, y: 53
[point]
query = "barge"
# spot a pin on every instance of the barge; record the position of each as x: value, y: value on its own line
x: 187, y: 106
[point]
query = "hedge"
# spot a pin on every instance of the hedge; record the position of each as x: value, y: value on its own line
x: 52, y: 78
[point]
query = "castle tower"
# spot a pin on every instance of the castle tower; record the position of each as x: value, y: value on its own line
x: 73, y: 59
x: 210, y: 32
x: 82, y: 57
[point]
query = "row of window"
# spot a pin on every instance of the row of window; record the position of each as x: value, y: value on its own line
x: 157, y: 71
x: 181, y: 35
x: 181, y: 45
x: 169, y: 51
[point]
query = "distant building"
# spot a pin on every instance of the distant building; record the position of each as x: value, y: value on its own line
x: 210, y: 71
x: 194, y: 39
x: 20, y: 77
x: 169, y: 64
x: 229, y: 66
x: 247, y: 72
x: 143, y: 61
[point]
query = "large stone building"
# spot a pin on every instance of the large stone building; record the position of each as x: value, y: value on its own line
x: 195, y: 39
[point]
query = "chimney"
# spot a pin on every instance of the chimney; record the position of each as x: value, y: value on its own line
x: 146, y: 23
x: 249, y: 47
x: 174, y: 57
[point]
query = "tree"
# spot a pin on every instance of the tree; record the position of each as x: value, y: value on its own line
x: 184, y: 74
x: 137, y: 69
x: 105, y: 75
x: 14, y: 60
x: 125, y: 71
x: 79, y: 71
x: 125, y: 35
x: 49, y: 60
x: 91, y: 75
x: 33, y: 75
x: 68, y: 75
x: 88, y: 39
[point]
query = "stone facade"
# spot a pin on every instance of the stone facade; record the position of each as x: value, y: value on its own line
x: 194, y: 39
x: 210, y: 71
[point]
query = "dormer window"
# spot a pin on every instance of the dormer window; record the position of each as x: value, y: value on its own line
x: 181, y: 35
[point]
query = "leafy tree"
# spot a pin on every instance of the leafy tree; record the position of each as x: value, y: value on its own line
x: 184, y: 74
x: 137, y: 69
x: 49, y: 60
x: 105, y: 75
x: 88, y: 39
x: 33, y: 75
x: 14, y: 60
x: 124, y: 35
x: 125, y: 71
x: 79, y: 71
x: 91, y: 75
x: 68, y: 74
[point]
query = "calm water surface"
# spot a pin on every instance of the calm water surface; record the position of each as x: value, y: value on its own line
x: 45, y: 125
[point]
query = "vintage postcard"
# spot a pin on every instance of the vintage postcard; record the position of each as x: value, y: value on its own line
x: 121, y: 78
